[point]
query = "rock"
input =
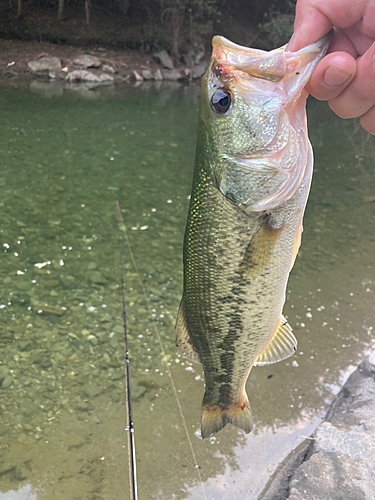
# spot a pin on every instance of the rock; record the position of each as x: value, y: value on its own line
x: 45, y: 64
x: 199, y: 70
x: 188, y: 59
x: 87, y: 61
x: 340, y: 462
x: 108, y: 69
x: 4, y: 371
x: 104, y: 78
x: 158, y: 75
x: 51, y: 283
x: 92, y: 391
x: 172, y: 74
x: 81, y: 75
x: 82, y: 406
x: 92, y: 265
x: 93, y: 339
x: 107, y: 317
x: 368, y: 199
x: 164, y: 58
x: 137, y: 76
x: 138, y: 391
x: 73, y: 442
x: 21, y: 472
x: 147, y: 75
x: 4, y: 429
x: 7, y: 382
x: 96, y: 278
x: 46, y: 309
x: 117, y: 375
x: 24, y: 286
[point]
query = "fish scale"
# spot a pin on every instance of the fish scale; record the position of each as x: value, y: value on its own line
x: 251, y: 182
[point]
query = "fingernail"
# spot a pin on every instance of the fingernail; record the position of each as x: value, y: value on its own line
x: 373, y: 60
x: 335, y: 77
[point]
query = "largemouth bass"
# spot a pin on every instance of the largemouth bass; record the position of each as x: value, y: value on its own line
x: 251, y: 182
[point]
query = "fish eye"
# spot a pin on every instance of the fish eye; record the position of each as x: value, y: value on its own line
x: 221, y: 101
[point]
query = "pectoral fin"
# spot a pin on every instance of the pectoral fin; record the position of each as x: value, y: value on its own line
x: 260, y: 248
x: 282, y: 345
x: 183, y: 340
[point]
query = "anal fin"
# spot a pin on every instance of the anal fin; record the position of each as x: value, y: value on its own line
x: 183, y: 340
x: 282, y: 345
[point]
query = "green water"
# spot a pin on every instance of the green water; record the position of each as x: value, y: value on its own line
x: 65, y: 160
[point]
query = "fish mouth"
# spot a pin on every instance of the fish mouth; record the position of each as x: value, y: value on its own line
x: 274, y: 65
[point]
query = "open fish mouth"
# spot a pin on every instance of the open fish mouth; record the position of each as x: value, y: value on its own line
x: 273, y: 65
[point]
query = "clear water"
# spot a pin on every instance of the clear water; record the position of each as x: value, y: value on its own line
x: 66, y: 157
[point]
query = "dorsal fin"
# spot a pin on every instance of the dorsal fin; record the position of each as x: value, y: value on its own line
x: 183, y: 340
x: 282, y: 345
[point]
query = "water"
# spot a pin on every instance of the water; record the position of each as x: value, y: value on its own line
x: 65, y: 161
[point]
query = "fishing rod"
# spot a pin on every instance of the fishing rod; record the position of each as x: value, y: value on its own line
x: 130, y: 426
x: 123, y: 236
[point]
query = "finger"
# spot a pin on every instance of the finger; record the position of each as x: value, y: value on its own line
x: 360, y: 41
x: 332, y: 75
x: 368, y: 121
x: 341, y: 43
x: 359, y: 96
x: 314, y: 18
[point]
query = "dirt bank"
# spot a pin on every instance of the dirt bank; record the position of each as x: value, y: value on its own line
x: 118, y: 65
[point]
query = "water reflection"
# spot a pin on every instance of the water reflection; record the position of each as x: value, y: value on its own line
x: 65, y: 161
x: 25, y: 493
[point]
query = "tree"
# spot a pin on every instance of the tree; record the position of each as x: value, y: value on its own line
x: 60, y: 9
x: 87, y: 11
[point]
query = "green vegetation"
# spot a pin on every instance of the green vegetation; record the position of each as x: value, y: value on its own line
x: 180, y: 26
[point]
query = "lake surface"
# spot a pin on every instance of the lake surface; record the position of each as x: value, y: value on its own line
x: 66, y: 157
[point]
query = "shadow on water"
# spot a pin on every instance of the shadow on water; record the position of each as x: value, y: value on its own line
x: 65, y: 161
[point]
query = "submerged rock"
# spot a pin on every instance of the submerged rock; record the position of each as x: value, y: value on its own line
x: 46, y: 309
x: 97, y: 279
x: 7, y: 382
x: 24, y: 286
x: 52, y: 283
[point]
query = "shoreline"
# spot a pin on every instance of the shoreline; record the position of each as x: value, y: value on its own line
x: 47, y: 61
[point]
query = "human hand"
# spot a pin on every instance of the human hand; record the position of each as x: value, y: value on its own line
x: 345, y: 77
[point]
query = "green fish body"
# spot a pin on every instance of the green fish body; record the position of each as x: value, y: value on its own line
x: 251, y: 182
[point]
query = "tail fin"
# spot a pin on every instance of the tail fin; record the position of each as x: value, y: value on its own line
x: 215, y: 418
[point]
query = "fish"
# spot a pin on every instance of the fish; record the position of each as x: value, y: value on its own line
x: 251, y: 182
